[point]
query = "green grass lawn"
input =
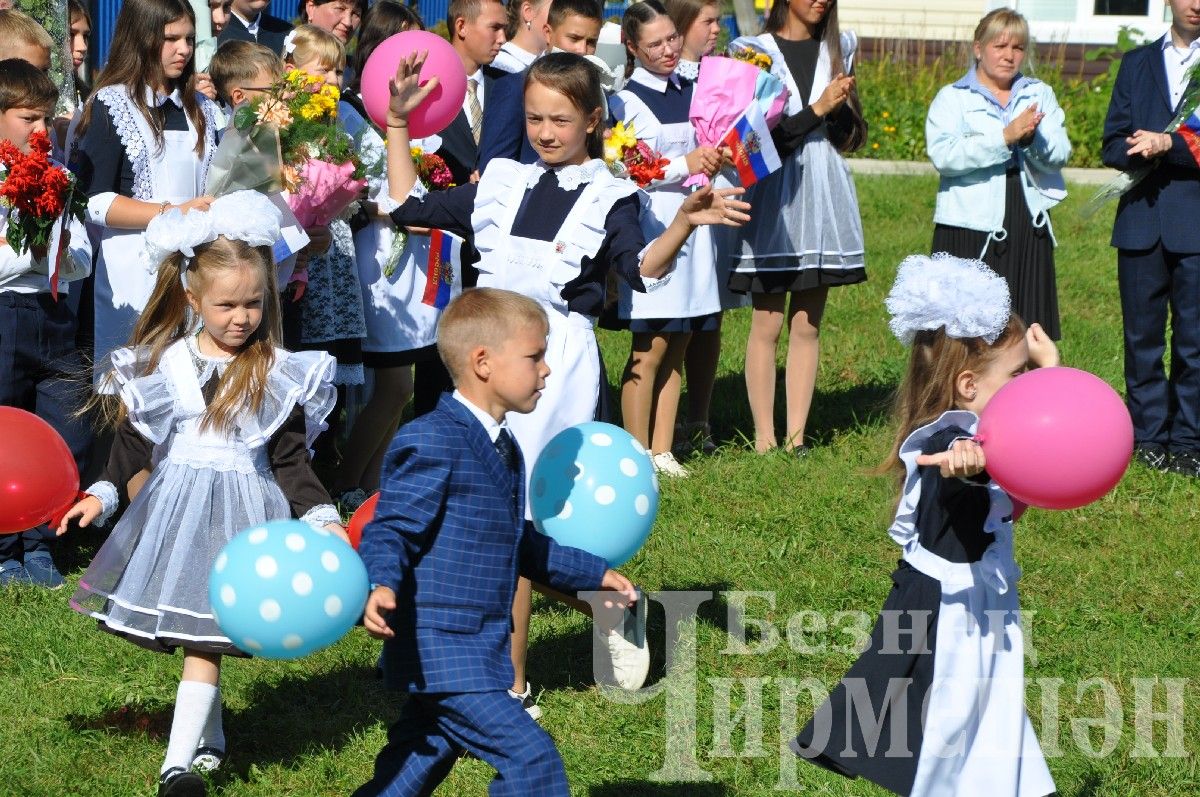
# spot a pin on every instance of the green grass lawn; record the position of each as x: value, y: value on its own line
x: 1111, y: 589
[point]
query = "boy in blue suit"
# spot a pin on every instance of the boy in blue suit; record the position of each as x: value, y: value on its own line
x: 444, y: 551
x: 1158, y: 244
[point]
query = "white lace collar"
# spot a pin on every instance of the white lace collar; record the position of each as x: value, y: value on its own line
x: 652, y: 81
x: 205, y: 365
x: 569, y: 177
x: 688, y: 69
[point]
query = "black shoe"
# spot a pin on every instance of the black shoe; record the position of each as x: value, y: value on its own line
x: 1153, y: 457
x: 181, y: 783
x: 1186, y: 463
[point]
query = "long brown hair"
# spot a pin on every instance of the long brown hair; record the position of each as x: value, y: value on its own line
x: 167, y: 319
x: 928, y: 389
x: 135, y: 61
x: 847, y: 132
x: 384, y: 19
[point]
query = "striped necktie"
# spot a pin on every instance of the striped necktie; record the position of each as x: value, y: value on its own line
x: 474, y: 108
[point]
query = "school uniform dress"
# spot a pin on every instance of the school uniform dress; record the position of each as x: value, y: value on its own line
x: 449, y: 538
x: 940, y: 710
x: 400, y: 304
x: 994, y: 200
x: 552, y: 234
x: 149, y: 581
x: 118, y: 156
x: 806, y: 231
x: 658, y: 107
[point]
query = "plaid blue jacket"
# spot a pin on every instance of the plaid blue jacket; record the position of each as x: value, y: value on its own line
x: 449, y: 536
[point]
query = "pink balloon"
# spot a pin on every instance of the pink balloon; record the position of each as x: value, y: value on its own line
x: 441, y: 106
x: 1056, y: 438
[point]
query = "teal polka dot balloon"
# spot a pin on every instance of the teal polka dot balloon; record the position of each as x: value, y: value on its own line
x: 284, y: 589
x: 593, y: 487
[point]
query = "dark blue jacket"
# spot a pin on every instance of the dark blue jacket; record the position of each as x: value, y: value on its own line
x: 459, y: 149
x: 503, y: 134
x: 450, y: 537
x: 271, y: 32
x: 1163, y: 206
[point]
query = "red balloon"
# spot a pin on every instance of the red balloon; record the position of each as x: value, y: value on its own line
x: 359, y: 520
x: 38, y: 477
x: 1056, y: 438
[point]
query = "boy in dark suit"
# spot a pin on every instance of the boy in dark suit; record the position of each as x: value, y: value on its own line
x: 444, y: 551
x: 1158, y: 244
x: 249, y: 22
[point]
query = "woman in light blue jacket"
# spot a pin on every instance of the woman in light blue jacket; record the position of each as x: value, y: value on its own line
x: 998, y: 140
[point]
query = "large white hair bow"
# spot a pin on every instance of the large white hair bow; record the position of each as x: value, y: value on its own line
x: 964, y: 296
x: 242, y: 215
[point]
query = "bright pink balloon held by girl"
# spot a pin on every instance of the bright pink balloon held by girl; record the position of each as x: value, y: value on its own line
x: 948, y: 730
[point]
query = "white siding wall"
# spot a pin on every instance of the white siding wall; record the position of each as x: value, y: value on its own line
x: 911, y: 19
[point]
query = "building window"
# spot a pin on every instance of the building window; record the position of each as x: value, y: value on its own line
x: 1122, y: 8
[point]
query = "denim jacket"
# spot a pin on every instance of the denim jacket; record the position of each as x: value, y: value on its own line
x: 964, y: 136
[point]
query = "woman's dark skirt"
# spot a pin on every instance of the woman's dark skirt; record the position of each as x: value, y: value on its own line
x: 1025, y: 258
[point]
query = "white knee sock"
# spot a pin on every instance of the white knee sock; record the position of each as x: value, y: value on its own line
x: 213, y: 734
x: 192, y: 704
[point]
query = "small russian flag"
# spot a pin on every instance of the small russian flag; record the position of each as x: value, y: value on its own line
x: 445, y: 252
x: 1190, y: 130
x: 754, y: 153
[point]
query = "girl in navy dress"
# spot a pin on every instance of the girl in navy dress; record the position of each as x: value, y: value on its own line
x: 145, y: 143
x: 938, y: 708
x: 811, y: 238
x: 552, y: 230
x: 656, y: 102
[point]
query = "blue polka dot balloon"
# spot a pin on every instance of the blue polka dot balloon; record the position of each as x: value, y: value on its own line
x: 593, y: 487
x: 284, y: 589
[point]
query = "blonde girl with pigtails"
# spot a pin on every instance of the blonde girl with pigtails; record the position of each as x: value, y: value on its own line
x: 223, y: 419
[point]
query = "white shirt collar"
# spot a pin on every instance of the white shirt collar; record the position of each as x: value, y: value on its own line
x: 489, y: 423
x: 251, y: 27
x: 652, y: 81
x: 156, y: 100
x: 1169, y: 43
x: 569, y: 177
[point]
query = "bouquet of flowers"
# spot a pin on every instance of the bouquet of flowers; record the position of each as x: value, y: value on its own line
x: 38, y: 194
x: 435, y: 175
x: 749, y: 55
x: 628, y: 156
x: 288, y: 139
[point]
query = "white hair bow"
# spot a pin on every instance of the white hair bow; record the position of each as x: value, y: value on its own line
x: 964, y: 296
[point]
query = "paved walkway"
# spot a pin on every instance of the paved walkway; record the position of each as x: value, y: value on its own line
x: 871, y: 166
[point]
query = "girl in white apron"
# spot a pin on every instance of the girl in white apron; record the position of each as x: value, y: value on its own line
x: 699, y: 25
x: 551, y: 230
x: 656, y: 102
x: 935, y: 705
x: 145, y: 148
x: 400, y: 304
x: 809, y: 236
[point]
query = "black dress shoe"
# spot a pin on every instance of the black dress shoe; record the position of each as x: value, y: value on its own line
x: 1153, y: 457
x: 1186, y: 463
x: 181, y: 783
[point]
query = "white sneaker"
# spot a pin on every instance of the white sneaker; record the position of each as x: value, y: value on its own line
x: 627, y: 647
x: 666, y: 464
x: 527, y: 702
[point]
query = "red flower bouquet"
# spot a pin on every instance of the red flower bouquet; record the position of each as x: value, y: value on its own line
x: 629, y: 156
x: 37, y: 191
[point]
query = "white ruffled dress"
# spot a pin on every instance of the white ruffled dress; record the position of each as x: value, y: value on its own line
x: 149, y: 581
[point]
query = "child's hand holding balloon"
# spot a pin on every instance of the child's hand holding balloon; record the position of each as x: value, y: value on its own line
x: 87, y: 510
x: 963, y: 460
